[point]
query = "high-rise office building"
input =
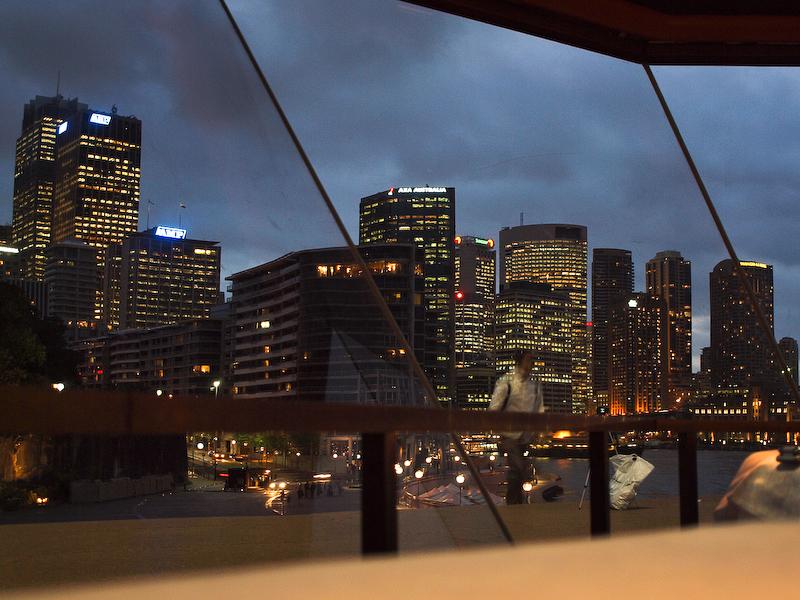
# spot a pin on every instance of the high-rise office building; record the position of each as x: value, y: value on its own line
x: 701, y: 381
x: 34, y: 179
x: 474, y: 320
x: 474, y: 306
x: 789, y: 348
x: 70, y: 275
x: 669, y: 277
x: 534, y: 317
x: 612, y: 279
x: 307, y: 327
x: 9, y: 255
x: 158, y: 276
x: 635, y: 355
x: 741, y: 356
x: 97, y: 177
x: 555, y: 254
x: 425, y: 217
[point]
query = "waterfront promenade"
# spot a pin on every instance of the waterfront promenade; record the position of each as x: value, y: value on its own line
x: 151, y: 543
x: 732, y: 561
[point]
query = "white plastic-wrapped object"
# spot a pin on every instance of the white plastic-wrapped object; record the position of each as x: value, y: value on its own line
x: 629, y: 472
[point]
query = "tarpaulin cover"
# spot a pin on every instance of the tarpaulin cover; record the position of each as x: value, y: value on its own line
x: 629, y: 473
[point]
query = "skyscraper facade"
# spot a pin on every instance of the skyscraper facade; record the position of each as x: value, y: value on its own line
x: 34, y: 179
x: 534, y: 317
x: 669, y: 277
x: 612, y: 280
x: 635, y: 355
x: 425, y: 217
x: 474, y: 301
x: 789, y: 348
x: 741, y: 357
x: 157, y: 277
x: 474, y: 320
x: 307, y: 327
x: 555, y: 254
x: 70, y: 275
x: 97, y: 178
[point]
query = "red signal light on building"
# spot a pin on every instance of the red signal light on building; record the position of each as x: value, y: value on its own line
x: 457, y: 240
x: 459, y: 296
x: 490, y: 243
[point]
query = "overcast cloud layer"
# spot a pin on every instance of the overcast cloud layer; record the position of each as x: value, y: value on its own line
x: 386, y: 94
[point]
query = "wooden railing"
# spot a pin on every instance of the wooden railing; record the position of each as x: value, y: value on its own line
x: 47, y: 412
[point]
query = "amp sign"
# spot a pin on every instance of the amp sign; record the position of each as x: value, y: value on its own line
x: 170, y: 232
x: 100, y: 119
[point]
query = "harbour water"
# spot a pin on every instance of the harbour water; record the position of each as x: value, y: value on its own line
x: 715, y: 469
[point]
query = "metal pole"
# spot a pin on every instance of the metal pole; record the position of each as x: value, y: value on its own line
x: 687, y: 478
x: 599, y: 501
x: 378, y: 498
x: 377, y: 295
x: 743, y: 278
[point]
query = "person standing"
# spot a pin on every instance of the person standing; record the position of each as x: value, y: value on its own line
x: 517, y: 392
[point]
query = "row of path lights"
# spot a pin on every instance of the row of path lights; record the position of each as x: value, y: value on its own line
x: 418, y: 474
x: 282, y: 487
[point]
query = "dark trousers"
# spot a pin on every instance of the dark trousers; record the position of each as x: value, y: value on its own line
x: 517, y: 470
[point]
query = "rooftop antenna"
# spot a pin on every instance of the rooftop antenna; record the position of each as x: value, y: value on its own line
x: 58, y: 84
x: 521, y: 219
x: 180, y: 206
x: 149, y: 204
x: 113, y: 109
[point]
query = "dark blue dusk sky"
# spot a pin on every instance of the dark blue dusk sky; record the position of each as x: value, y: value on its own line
x: 386, y: 94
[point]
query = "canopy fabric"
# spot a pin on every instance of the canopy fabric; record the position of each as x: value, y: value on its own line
x: 762, y: 488
x: 656, y: 32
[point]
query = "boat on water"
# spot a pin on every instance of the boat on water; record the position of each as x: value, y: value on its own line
x: 565, y: 444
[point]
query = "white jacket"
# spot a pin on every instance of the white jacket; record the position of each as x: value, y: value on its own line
x: 523, y: 396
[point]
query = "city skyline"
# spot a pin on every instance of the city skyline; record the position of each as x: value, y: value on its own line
x: 587, y: 134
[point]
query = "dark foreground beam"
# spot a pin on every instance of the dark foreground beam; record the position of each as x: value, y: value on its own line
x: 378, y: 494
x: 687, y: 478
x: 598, y: 465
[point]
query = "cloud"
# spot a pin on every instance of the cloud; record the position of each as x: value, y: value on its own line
x: 382, y: 93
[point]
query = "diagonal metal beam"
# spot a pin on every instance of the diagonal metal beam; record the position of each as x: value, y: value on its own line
x: 751, y: 295
x: 359, y: 260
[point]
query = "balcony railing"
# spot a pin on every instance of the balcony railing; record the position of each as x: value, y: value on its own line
x: 42, y: 411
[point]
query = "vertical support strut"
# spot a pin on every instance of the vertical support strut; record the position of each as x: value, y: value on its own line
x: 379, y: 494
x: 687, y: 478
x: 599, y: 500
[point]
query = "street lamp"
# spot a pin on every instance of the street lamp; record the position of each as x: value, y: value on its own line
x: 429, y: 460
x: 492, y: 458
x: 282, y: 487
x: 159, y: 393
x: 216, y: 383
x: 59, y: 387
x: 418, y: 474
x: 527, y: 487
x: 460, y: 481
x: 398, y: 469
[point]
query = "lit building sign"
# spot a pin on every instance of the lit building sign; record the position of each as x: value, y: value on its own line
x: 63, y: 127
x: 100, y: 119
x: 9, y: 250
x: 483, y: 242
x: 170, y: 232
x: 754, y: 264
x: 421, y: 190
